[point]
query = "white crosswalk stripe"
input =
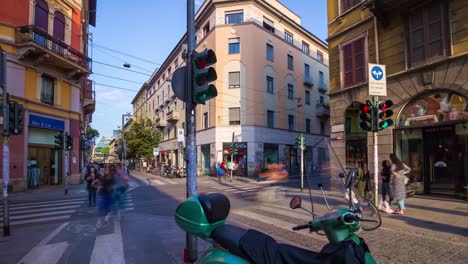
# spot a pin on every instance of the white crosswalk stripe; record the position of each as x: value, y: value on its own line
x: 39, y: 212
x: 246, y: 190
x: 160, y: 181
x: 127, y: 204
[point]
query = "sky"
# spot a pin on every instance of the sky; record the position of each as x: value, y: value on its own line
x: 149, y: 30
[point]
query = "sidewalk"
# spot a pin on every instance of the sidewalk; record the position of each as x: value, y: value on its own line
x: 48, y: 193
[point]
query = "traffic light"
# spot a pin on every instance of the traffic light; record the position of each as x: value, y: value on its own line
x: 301, y: 142
x: 366, y: 116
x: 385, y: 114
x: 59, y: 141
x: 69, y: 142
x: 16, y: 118
x: 203, y: 75
x: 83, y: 144
x: 233, y: 150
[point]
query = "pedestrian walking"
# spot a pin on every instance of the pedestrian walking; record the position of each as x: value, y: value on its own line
x: 385, y: 175
x: 106, y: 183
x: 398, y: 182
x: 362, y: 179
x: 91, y: 178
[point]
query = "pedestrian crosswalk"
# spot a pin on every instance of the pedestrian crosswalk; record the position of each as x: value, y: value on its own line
x: 37, y: 212
x: 160, y: 181
x: 248, y: 190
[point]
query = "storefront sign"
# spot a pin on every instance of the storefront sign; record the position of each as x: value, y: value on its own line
x: 45, y: 122
x: 377, y: 80
x: 337, y: 128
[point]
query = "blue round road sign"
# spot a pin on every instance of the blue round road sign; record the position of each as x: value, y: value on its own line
x: 377, y: 73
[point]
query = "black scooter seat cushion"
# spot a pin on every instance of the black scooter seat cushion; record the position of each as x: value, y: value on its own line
x: 215, y: 205
x: 261, y: 248
x: 229, y: 237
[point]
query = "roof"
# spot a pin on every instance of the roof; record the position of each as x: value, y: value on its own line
x: 142, y: 89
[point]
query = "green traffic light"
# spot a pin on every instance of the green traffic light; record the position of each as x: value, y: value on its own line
x: 386, y: 123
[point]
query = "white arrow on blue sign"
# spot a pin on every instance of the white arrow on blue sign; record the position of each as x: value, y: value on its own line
x: 155, y: 151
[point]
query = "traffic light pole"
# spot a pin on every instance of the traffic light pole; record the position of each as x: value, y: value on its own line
x: 302, y: 169
x: 375, y: 129
x: 6, y: 147
x: 66, y: 162
x: 191, y: 149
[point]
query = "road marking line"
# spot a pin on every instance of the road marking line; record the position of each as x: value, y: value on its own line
x: 45, y: 253
x: 40, y: 214
x: 53, y: 234
x: 50, y: 202
x: 158, y: 182
x: 45, y: 205
x: 169, y: 181
x: 16, y: 212
x: 109, y: 248
x: 38, y: 220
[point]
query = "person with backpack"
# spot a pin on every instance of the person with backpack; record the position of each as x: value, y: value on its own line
x: 398, y: 182
x: 91, y: 177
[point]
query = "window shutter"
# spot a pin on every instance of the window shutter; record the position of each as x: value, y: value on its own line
x: 59, y: 26
x: 234, y: 114
x: 417, y: 37
x: 434, y: 17
x: 348, y: 64
x: 359, y: 60
x: 41, y: 13
x: 234, y: 79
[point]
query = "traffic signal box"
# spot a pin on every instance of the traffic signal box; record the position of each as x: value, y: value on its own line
x: 385, y: 114
x: 233, y: 150
x: 366, y: 116
x: 69, y: 142
x: 202, y: 76
x: 16, y: 118
x: 301, y: 142
x: 59, y: 141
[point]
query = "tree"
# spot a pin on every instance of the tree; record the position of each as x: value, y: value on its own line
x: 105, y: 150
x: 141, y: 138
x: 91, y: 133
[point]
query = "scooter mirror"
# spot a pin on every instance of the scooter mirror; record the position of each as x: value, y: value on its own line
x: 295, y: 202
x: 341, y: 175
x: 349, y: 177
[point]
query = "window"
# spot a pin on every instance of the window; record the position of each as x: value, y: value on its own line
x: 290, y: 122
x: 234, y: 18
x: 270, y: 84
x: 291, y: 91
x: 41, y: 15
x: 205, y: 120
x: 319, y: 56
x: 270, y: 119
x: 353, y: 62
x: 169, y: 71
x: 234, y: 116
x: 270, y: 52
x: 305, y: 48
x: 307, y: 125
x: 176, y: 63
x: 322, y: 128
x: 59, y: 26
x: 428, y: 33
x: 306, y: 71
x: 47, y: 90
x: 321, y: 99
x: 290, y: 62
x: 234, y: 79
x: 268, y: 25
x: 175, y: 131
x: 321, y: 80
x: 288, y: 37
x: 206, y: 29
x: 307, y: 97
x: 347, y: 4
x: 234, y: 45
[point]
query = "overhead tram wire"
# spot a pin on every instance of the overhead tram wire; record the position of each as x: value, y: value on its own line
x: 115, y: 57
x: 120, y: 68
x: 117, y: 78
x: 116, y: 87
x: 125, y: 54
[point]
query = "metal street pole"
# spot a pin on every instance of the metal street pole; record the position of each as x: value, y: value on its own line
x: 66, y: 161
x: 122, y: 142
x: 191, y: 149
x: 302, y: 164
x: 6, y: 150
x: 232, y: 155
x: 376, y: 151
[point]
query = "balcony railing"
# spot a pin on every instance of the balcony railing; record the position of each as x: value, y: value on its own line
x: 161, y: 123
x: 173, y: 116
x: 322, y: 110
x: 322, y: 87
x: 40, y: 37
x: 308, y: 81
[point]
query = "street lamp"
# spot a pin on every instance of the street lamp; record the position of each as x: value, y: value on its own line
x: 124, y: 147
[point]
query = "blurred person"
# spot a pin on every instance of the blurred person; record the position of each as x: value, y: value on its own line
x: 106, y: 183
x: 362, y: 179
x: 397, y: 182
x: 91, y: 177
x: 275, y: 173
x: 120, y: 187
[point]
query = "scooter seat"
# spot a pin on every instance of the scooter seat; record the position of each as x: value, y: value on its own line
x: 229, y: 237
x: 215, y: 205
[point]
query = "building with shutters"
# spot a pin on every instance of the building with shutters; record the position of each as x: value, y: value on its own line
x: 272, y: 86
x: 424, y: 47
x: 46, y: 70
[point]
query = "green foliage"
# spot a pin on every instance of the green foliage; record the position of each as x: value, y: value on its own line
x: 141, y: 138
x: 105, y: 150
x: 91, y: 133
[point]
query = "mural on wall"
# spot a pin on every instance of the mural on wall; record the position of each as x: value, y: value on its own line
x: 434, y: 108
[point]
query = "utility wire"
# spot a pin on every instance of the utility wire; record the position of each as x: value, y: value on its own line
x: 117, y: 78
x: 115, y: 57
x: 125, y: 54
x: 120, y: 68
x: 116, y: 87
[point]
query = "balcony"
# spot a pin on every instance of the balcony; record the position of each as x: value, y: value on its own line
x: 37, y: 46
x: 167, y: 99
x: 161, y: 123
x: 322, y: 87
x: 322, y: 110
x: 89, y: 102
x: 308, y: 81
x: 173, y: 116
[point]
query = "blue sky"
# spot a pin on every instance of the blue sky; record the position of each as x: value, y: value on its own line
x: 149, y: 29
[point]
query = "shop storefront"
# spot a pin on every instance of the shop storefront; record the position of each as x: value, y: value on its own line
x: 206, y: 159
x: 270, y: 154
x: 431, y: 136
x: 44, y: 161
x: 292, y: 161
x: 240, y: 158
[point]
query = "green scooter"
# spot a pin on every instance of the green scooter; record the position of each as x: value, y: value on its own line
x: 204, y: 216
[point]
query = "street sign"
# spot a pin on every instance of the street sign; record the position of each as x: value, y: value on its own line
x: 178, y: 83
x: 180, y: 135
x: 377, y: 80
x: 155, y: 151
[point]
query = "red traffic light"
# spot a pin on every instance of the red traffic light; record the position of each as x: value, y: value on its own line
x: 385, y: 105
x: 365, y: 107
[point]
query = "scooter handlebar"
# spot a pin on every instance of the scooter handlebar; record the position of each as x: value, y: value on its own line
x: 299, y: 227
